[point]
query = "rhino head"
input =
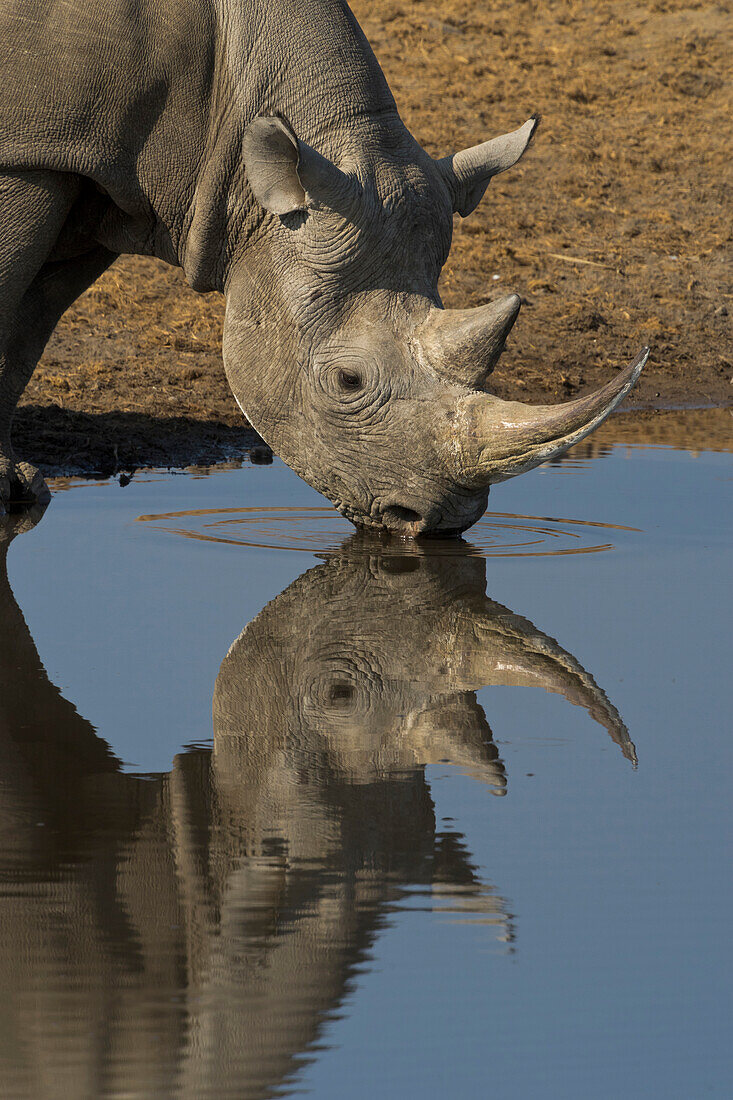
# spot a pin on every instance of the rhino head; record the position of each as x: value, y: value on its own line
x: 330, y: 668
x: 338, y: 348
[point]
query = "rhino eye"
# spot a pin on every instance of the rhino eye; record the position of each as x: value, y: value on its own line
x: 349, y: 380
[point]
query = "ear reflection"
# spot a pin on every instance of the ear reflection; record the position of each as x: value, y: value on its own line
x: 199, y: 927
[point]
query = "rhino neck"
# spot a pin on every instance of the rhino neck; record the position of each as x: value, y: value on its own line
x: 307, y: 59
x: 309, y: 62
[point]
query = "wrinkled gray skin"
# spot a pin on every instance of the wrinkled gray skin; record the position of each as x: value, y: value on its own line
x: 255, y: 143
x: 206, y: 923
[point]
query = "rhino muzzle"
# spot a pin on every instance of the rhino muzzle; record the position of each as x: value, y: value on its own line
x: 487, y: 440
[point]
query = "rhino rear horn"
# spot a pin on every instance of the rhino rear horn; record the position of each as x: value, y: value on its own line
x: 465, y: 344
x: 284, y: 172
x: 468, y: 173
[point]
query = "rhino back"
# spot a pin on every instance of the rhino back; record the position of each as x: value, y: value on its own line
x: 103, y: 88
x: 135, y: 94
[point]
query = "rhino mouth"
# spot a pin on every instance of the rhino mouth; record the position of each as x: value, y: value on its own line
x: 398, y: 517
x: 400, y: 521
x: 392, y: 519
x: 397, y: 521
x: 405, y: 521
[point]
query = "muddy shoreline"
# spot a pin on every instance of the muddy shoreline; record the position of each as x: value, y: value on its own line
x: 116, y: 446
x: 615, y: 230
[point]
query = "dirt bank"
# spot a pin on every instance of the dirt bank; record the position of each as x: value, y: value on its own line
x: 616, y: 229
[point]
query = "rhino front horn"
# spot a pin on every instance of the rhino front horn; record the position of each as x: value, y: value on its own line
x: 468, y: 173
x: 499, y: 439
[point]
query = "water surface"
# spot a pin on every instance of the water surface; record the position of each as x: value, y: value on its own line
x: 285, y: 810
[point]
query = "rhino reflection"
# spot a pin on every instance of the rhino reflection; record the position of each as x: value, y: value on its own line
x: 189, y: 934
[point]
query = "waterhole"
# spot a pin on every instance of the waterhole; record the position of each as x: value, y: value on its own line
x: 287, y: 809
x: 322, y: 531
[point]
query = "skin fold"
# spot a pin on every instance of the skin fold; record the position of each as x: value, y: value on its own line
x: 255, y: 144
x: 200, y: 927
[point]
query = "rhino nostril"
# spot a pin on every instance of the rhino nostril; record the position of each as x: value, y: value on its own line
x: 394, y: 515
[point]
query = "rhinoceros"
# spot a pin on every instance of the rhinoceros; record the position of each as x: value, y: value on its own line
x: 256, y: 145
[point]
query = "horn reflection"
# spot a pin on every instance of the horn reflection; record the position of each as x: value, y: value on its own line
x: 190, y: 933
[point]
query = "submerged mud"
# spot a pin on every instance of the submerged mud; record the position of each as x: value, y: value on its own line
x: 103, y: 444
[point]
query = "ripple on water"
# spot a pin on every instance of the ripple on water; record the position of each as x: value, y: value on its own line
x: 323, y: 531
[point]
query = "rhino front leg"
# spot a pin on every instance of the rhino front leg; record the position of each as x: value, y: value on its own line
x: 50, y: 294
x: 33, y: 295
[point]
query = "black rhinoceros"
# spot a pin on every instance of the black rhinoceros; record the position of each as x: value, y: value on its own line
x: 256, y: 144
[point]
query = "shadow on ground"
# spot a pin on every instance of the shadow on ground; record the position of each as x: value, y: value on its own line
x: 61, y: 441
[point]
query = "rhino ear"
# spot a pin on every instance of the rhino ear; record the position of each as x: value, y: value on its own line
x: 271, y: 156
x: 468, y: 173
x: 285, y: 173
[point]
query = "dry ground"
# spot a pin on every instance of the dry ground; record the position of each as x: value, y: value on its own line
x: 616, y: 229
